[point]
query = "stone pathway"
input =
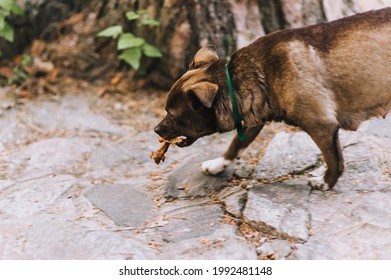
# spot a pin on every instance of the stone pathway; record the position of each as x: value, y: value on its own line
x: 76, y: 182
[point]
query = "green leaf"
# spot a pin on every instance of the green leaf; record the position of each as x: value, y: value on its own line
x: 132, y: 15
x: 128, y: 40
x: 2, y: 21
x: 112, y: 31
x: 132, y: 57
x: 7, y: 32
x: 6, y: 4
x: 16, y: 9
x: 150, y: 22
x: 26, y: 59
x: 151, y: 51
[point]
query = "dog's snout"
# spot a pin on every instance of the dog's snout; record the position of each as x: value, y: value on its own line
x: 159, y: 129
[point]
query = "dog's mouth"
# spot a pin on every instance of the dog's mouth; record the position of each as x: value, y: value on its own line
x: 186, y: 141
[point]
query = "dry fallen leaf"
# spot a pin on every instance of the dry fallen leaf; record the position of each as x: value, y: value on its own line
x: 6, y: 72
x: 37, y: 48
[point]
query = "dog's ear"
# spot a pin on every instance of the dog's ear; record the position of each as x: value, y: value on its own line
x: 205, y: 92
x: 203, y: 57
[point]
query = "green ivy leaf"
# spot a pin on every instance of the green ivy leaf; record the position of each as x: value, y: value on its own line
x: 132, y: 57
x: 150, y: 22
x: 151, y: 50
x: 6, y: 4
x: 112, y: 31
x: 132, y: 16
x: 26, y: 59
x: 7, y: 32
x: 16, y: 9
x: 128, y: 40
x: 2, y: 21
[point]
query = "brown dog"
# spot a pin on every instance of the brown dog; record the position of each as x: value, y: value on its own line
x: 320, y: 78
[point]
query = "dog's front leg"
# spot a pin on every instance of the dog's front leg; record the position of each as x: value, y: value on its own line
x: 218, y: 165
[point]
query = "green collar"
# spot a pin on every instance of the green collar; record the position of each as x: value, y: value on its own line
x: 235, y: 110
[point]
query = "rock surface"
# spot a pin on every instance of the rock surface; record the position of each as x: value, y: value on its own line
x: 76, y: 182
x: 287, y: 154
x: 279, y: 209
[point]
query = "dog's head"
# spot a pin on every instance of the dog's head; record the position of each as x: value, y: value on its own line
x: 189, y: 102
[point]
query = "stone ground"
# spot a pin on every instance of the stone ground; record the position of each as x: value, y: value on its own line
x: 76, y: 182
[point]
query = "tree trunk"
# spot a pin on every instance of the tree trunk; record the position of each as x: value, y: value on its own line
x: 188, y: 25
x: 39, y: 21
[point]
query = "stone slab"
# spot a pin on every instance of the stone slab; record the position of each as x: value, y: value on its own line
x: 23, y: 199
x: 348, y: 226
x: 234, y: 199
x: 279, y: 209
x: 366, y: 165
x: 287, y: 153
x: 72, y: 113
x: 223, y: 244
x: 191, y: 222
x: 123, y: 203
x: 187, y: 179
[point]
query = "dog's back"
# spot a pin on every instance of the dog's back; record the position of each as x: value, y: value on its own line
x: 359, y: 71
x: 339, y: 70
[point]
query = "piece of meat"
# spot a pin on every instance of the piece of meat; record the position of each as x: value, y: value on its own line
x: 159, y: 154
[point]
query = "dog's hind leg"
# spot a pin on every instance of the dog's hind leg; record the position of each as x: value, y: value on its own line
x: 219, y: 164
x: 328, y: 142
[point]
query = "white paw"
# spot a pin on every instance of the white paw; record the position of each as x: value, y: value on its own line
x: 318, y: 183
x: 215, y: 166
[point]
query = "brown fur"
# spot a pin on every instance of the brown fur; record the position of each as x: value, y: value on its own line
x: 321, y: 78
